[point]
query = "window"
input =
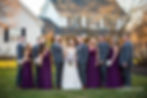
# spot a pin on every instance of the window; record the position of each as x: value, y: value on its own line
x: 6, y: 35
x: 23, y: 32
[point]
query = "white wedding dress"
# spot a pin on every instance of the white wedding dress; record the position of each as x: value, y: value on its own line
x: 70, y: 76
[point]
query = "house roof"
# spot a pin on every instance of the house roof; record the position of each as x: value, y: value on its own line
x: 88, y: 7
x: 36, y: 19
x: 48, y: 24
x: 5, y: 21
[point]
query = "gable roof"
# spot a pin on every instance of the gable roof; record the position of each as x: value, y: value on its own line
x: 5, y: 21
x: 88, y: 7
x: 36, y: 19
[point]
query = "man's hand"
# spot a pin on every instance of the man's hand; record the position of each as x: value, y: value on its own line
x: 124, y: 65
x: 101, y: 62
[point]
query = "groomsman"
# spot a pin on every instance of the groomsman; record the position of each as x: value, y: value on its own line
x: 103, y: 52
x: 126, y: 56
x: 36, y: 50
x: 20, y: 55
x: 57, y: 52
x: 82, y: 57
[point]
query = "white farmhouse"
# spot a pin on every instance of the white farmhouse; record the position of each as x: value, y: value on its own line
x: 22, y: 23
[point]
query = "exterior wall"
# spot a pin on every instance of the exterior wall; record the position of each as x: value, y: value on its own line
x: 8, y: 48
x: 33, y: 28
x: 1, y: 34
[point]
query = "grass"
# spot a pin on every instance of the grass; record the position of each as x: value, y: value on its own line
x: 9, y: 90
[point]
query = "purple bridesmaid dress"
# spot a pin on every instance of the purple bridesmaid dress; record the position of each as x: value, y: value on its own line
x: 27, y: 76
x: 93, y: 73
x: 114, y: 76
x: 45, y: 76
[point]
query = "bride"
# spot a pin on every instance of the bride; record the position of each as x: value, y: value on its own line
x: 70, y: 77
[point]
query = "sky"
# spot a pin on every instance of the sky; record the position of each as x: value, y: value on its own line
x: 34, y: 6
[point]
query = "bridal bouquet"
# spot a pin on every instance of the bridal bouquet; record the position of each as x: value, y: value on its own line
x: 70, y: 60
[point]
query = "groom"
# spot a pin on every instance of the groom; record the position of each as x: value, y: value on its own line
x: 36, y: 50
x: 103, y: 49
x: 57, y: 52
x: 20, y: 55
x: 82, y: 57
x: 126, y: 59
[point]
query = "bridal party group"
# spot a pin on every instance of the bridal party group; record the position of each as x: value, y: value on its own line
x: 74, y: 63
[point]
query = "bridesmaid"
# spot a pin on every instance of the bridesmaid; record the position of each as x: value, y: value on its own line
x: 44, y: 75
x: 26, y: 75
x: 93, y: 73
x: 114, y: 77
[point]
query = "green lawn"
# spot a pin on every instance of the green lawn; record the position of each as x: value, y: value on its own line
x: 9, y: 90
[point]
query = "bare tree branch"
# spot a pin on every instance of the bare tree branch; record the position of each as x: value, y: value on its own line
x: 8, y: 7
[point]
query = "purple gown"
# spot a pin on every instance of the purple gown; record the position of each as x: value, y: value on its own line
x: 93, y: 73
x: 44, y: 75
x: 27, y: 76
x: 114, y: 77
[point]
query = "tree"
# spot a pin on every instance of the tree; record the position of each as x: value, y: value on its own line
x: 8, y: 8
